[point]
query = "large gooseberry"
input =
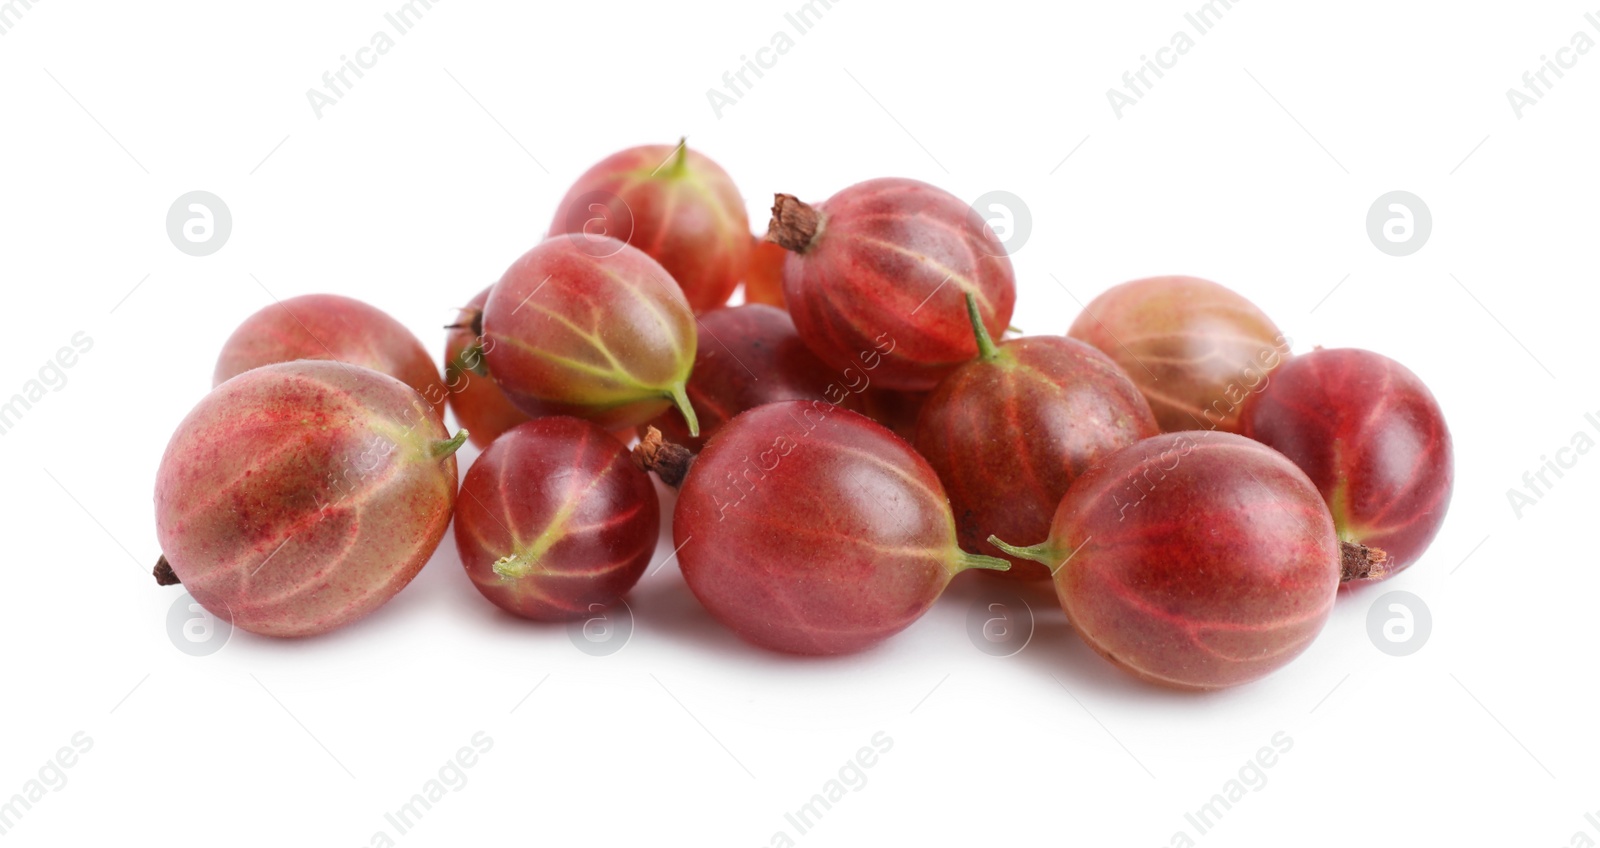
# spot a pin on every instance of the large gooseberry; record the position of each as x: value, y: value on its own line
x: 298, y: 497
x: 879, y: 271
x: 1009, y: 431
x: 1194, y: 348
x: 603, y: 335
x: 1371, y: 437
x: 809, y: 529
x: 1195, y: 559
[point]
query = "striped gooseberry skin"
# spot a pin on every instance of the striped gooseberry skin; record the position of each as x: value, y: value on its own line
x: 807, y: 528
x: 554, y: 521
x: 1198, y: 560
x: 1197, y: 350
x: 1008, y: 435
x: 481, y: 408
x: 748, y: 356
x: 673, y: 203
x: 330, y: 326
x: 603, y: 335
x: 1370, y: 435
x: 298, y: 497
x: 881, y: 282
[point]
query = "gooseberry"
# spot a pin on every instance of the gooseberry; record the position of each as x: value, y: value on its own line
x: 298, y: 497
x: 673, y: 203
x: 603, y: 335
x: 554, y: 521
x: 1194, y: 559
x: 806, y: 528
x: 1372, y: 438
x: 763, y: 276
x: 877, y: 272
x: 1009, y: 431
x: 330, y: 326
x: 1195, y: 349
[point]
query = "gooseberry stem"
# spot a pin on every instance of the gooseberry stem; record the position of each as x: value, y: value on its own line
x: 442, y: 449
x: 986, y: 349
x: 1359, y: 562
x: 1044, y: 553
x: 680, y: 399
x: 669, y: 461
x: 965, y: 561
x: 794, y: 225
x: 680, y: 158
x: 165, y: 576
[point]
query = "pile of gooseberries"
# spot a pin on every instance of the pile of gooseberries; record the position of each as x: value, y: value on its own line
x: 844, y: 443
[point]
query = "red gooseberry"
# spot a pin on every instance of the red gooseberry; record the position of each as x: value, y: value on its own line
x: 673, y: 203
x: 604, y: 336
x: 1372, y: 438
x: 747, y: 356
x: 806, y: 528
x: 298, y: 497
x: 1009, y: 431
x: 1195, y: 349
x: 879, y: 270
x: 1194, y: 559
x: 554, y: 521
x: 330, y: 326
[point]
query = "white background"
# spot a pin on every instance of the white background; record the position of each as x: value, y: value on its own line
x: 1253, y: 162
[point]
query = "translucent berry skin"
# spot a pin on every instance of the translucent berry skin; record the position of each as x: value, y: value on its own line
x: 763, y: 276
x: 332, y: 327
x: 885, y: 275
x: 809, y: 529
x: 1371, y: 437
x: 598, y: 334
x: 298, y: 497
x: 1197, y: 560
x: 1195, y: 349
x: 478, y: 403
x: 676, y: 205
x: 1008, y: 435
x: 748, y: 356
x: 554, y: 522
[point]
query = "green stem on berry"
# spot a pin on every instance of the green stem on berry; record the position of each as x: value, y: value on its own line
x: 680, y: 159
x: 444, y: 448
x: 986, y: 349
x: 680, y: 398
x: 514, y: 567
x: 964, y: 561
x: 1046, y: 553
